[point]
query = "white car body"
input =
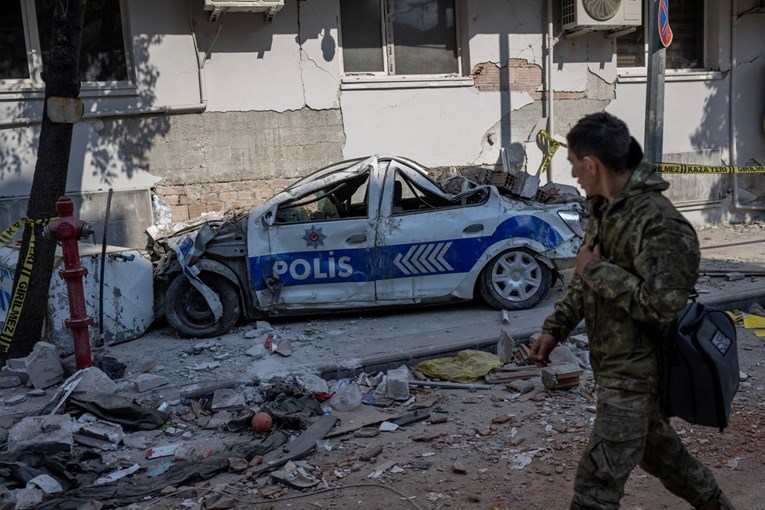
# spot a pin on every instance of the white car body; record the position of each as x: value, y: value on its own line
x: 387, y: 257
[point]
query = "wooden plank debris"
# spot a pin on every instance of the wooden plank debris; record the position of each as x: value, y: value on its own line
x: 522, y: 354
x: 561, y: 376
x: 507, y: 374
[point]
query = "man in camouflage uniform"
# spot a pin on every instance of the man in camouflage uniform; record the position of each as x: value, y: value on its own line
x: 633, y: 274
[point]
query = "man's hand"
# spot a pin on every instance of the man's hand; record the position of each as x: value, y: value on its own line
x: 585, y: 256
x: 541, y: 349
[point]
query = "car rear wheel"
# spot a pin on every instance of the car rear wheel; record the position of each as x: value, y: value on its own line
x: 515, y: 280
x: 189, y: 314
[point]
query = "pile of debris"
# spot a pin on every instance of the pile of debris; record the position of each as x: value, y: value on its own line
x: 93, y: 437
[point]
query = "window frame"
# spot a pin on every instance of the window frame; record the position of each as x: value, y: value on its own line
x: 34, y: 58
x: 640, y: 73
x: 388, y: 48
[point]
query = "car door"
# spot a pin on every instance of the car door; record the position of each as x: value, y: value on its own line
x: 321, y: 243
x: 426, y: 241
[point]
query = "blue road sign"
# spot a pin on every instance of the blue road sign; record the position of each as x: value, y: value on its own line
x: 665, y: 32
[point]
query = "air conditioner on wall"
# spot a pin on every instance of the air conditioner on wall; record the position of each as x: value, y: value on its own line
x: 217, y: 7
x: 601, y: 14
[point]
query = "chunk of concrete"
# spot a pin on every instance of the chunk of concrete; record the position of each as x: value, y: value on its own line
x: 17, y: 364
x: 44, y: 434
x: 24, y: 498
x: 94, y: 380
x: 44, y: 366
x: 227, y: 399
x: 22, y: 374
x: 10, y: 381
x: 146, y: 382
x: 505, y: 347
x: 98, y: 433
x: 398, y: 383
x: 14, y: 400
x: 312, y: 383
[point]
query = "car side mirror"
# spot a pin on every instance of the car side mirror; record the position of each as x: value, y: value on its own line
x: 267, y: 220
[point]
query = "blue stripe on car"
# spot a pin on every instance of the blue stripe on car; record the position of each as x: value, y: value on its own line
x: 399, y: 261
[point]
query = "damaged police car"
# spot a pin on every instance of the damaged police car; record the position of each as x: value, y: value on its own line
x: 363, y: 233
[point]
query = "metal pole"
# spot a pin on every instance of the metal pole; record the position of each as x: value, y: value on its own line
x: 100, y: 341
x: 654, y: 98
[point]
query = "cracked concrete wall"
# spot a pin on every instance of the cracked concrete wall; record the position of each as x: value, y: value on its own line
x: 288, y: 64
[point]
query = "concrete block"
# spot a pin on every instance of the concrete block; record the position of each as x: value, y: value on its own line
x: 227, y: 399
x: 94, y: 380
x: 398, y: 383
x: 146, y: 382
x: 44, y: 366
x: 44, y: 434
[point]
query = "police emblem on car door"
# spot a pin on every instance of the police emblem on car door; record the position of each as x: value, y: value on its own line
x: 322, y: 240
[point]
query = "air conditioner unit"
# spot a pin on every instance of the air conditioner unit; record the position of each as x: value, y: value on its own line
x: 601, y: 14
x: 217, y: 7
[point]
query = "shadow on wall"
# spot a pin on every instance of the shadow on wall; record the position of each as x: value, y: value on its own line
x: 713, y: 129
x: 311, y: 24
x: 111, y: 149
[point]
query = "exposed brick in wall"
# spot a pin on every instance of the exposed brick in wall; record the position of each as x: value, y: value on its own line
x: 191, y: 201
x: 516, y: 75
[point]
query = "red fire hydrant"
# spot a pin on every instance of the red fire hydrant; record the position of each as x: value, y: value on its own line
x: 68, y: 230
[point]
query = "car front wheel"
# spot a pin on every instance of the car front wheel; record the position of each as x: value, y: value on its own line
x: 189, y: 314
x: 515, y: 280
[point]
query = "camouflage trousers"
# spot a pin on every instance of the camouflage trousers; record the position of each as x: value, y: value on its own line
x: 630, y: 431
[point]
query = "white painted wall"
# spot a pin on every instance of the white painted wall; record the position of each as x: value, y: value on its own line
x: 294, y: 63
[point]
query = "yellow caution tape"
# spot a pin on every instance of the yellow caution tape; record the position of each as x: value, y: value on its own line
x: 554, y: 144
x: 683, y: 168
x: 20, y: 290
x: 664, y: 168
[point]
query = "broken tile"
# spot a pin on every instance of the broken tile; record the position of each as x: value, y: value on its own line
x: 46, y: 434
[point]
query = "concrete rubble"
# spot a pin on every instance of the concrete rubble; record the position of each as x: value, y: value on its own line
x: 191, y: 411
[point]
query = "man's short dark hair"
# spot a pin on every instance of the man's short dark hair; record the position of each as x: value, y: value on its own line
x: 607, y: 138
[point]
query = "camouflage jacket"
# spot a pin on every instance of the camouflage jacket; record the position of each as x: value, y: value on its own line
x: 649, y: 265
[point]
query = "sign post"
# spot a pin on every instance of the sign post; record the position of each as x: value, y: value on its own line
x: 659, y: 37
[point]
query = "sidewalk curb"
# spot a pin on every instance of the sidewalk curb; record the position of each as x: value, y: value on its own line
x: 741, y: 301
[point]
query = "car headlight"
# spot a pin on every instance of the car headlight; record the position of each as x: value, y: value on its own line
x: 574, y: 221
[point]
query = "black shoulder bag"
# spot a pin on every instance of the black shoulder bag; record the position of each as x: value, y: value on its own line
x: 699, y: 366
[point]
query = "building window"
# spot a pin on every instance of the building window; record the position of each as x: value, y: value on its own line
x: 686, y: 17
x: 399, y: 37
x: 25, y: 38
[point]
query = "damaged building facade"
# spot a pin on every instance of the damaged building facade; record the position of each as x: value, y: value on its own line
x: 209, y: 105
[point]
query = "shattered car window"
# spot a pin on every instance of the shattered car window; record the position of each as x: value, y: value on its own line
x: 339, y: 200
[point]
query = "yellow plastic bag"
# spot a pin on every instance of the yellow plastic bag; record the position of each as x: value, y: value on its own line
x: 754, y: 322
x: 467, y: 366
